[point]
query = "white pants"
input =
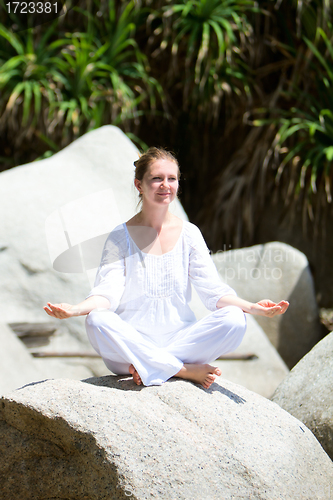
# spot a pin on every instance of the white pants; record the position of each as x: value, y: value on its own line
x: 120, y: 345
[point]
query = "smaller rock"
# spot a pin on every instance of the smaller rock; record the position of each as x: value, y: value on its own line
x: 276, y: 271
x: 262, y: 374
x: 307, y: 392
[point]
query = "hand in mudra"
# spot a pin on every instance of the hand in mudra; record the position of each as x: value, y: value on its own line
x: 270, y: 309
x: 60, y: 311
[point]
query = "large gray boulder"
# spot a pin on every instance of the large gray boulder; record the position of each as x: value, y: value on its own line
x: 276, y: 271
x: 307, y: 392
x: 109, y: 439
x: 55, y: 206
x: 51, y: 207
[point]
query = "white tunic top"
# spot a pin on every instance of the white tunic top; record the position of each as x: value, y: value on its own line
x: 152, y: 292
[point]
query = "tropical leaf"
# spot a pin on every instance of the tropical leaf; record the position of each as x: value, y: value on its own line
x: 26, y: 87
x: 204, y: 37
x: 304, y: 134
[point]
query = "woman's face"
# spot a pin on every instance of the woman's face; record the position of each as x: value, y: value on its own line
x: 160, y: 183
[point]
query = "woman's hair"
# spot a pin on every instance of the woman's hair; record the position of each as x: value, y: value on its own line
x: 147, y: 158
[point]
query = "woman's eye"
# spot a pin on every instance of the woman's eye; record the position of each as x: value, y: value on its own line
x: 160, y: 178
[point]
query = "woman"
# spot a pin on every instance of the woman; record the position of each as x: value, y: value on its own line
x: 138, y: 317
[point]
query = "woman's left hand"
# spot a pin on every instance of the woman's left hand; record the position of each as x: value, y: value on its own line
x: 270, y: 309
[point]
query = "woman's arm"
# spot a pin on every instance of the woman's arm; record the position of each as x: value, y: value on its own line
x: 63, y: 310
x: 263, y: 308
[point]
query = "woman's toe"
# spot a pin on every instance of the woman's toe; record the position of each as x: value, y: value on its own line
x: 131, y: 369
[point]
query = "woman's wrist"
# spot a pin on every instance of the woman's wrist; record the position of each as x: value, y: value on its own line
x: 92, y: 302
x: 233, y: 300
x: 76, y: 310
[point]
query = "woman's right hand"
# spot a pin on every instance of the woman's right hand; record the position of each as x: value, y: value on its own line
x: 60, y: 311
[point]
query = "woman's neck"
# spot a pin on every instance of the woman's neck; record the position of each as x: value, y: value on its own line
x: 154, y: 218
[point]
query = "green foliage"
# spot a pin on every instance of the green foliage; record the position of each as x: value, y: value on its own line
x: 26, y: 79
x: 304, y: 138
x: 57, y: 85
x: 286, y: 158
x: 210, y: 27
x: 207, y: 41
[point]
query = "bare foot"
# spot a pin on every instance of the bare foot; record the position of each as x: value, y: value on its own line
x: 201, y: 374
x: 135, y: 375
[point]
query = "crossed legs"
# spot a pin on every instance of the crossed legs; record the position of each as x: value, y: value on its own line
x: 186, y: 354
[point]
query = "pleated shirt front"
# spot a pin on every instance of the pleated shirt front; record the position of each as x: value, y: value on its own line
x: 152, y: 292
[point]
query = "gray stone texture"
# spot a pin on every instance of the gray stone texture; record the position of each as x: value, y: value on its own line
x: 276, y: 271
x: 109, y: 439
x: 307, y: 392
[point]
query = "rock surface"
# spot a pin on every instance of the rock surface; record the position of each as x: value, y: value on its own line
x: 276, y: 271
x: 307, y: 392
x: 109, y: 439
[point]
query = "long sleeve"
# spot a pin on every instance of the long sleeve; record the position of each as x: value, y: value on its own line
x: 203, y: 273
x: 111, y: 274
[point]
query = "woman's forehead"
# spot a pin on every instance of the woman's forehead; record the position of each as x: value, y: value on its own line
x: 166, y: 166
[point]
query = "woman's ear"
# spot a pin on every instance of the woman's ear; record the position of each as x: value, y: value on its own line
x: 137, y: 184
